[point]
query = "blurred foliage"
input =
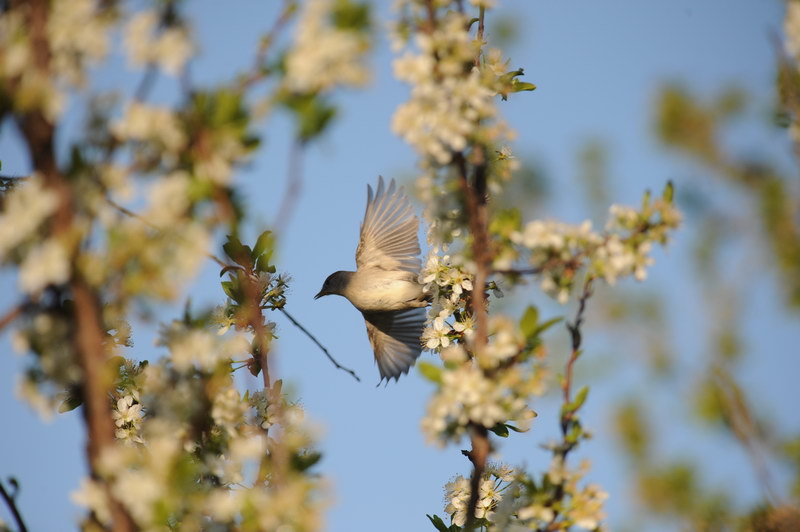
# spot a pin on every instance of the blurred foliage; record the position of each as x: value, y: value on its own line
x: 695, y: 129
x: 743, y: 220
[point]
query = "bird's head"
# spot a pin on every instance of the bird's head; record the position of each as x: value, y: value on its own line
x: 334, y: 284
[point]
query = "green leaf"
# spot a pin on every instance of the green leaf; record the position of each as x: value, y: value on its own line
x: 348, y: 15
x: 669, y: 192
x: 432, y: 372
x: 304, y: 461
x: 263, y: 265
x: 520, y: 86
x: 646, y: 200
x: 529, y: 322
x: 515, y: 429
x: 506, y: 222
x: 265, y: 245
x: 312, y: 112
x: 580, y: 398
x: 438, y: 523
x: 228, y: 268
x: 237, y: 251
x: 501, y: 430
x: 546, y: 325
x: 231, y: 289
x: 72, y: 400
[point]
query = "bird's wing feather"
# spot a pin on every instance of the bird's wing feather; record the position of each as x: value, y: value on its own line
x: 395, y: 338
x: 389, y: 231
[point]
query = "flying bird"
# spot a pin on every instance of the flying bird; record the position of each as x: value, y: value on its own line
x: 385, y: 285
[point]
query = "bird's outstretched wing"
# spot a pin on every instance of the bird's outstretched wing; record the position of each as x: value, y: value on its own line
x: 389, y: 231
x: 395, y: 338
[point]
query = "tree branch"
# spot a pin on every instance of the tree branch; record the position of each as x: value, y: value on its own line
x: 567, y: 415
x: 12, y: 505
x: 294, y: 185
x: 11, y: 315
x: 322, y: 347
x: 39, y: 133
x: 224, y: 264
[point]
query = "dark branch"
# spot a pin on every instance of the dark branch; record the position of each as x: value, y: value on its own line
x: 567, y: 416
x: 322, y: 347
x: 11, y: 502
x: 11, y: 315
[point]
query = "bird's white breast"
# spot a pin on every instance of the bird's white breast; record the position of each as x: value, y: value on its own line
x: 378, y: 290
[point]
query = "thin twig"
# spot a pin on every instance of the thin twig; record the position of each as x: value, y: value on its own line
x: 576, y: 338
x: 11, y: 315
x: 146, y: 83
x: 519, y: 271
x: 322, y: 347
x: 294, y: 185
x: 566, y: 387
x: 223, y: 264
x: 12, y: 505
x: 259, y: 72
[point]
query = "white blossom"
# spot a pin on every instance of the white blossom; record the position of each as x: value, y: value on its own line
x: 143, y: 122
x: 467, y: 396
x: 168, y: 199
x: 93, y: 497
x: 139, y: 490
x: 457, y: 494
x: 486, y: 4
x: 25, y: 207
x: 195, y: 347
x: 29, y: 392
x: 127, y: 412
x: 228, y: 410
x: 587, y: 507
x: 445, y: 105
x: 505, y: 341
x: 168, y: 48
x: 78, y: 33
x: 436, y: 334
x: 251, y: 447
x: 323, y: 55
x: 791, y: 29
x: 45, y: 264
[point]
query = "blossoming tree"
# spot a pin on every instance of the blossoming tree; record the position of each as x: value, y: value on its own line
x: 146, y: 194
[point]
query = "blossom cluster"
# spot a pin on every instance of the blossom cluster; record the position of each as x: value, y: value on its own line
x: 328, y: 50
x: 791, y: 29
x: 147, y: 42
x: 558, y: 251
x: 496, y: 480
x: 448, y: 97
x: 468, y: 396
x: 511, y: 500
x: 128, y: 216
x: 449, y: 285
x: 78, y: 31
x: 581, y: 505
x: 489, y: 374
x: 197, y: 451
x: 78, y: 35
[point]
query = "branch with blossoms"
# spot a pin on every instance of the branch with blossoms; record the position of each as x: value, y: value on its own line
x: 171, y: 442
x: 493, y: 365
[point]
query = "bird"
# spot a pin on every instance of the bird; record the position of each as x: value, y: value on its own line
x: 385, y: 286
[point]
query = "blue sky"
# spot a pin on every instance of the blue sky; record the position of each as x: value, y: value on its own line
x: 597, y: 66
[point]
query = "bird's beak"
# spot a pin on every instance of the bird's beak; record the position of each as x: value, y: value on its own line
x: 321, y: 293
